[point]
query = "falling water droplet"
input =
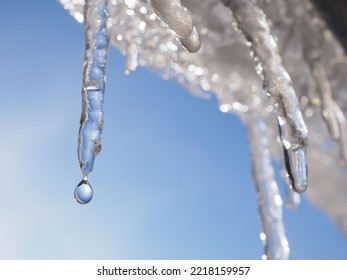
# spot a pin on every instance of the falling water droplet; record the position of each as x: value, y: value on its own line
x: 83, y: 192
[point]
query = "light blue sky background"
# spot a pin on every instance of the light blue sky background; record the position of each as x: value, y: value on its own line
x: 172, y: 181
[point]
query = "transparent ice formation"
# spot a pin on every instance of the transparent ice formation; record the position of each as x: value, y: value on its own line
x: 274, y: 63
x: 83, y: 192
x: 93, y: 88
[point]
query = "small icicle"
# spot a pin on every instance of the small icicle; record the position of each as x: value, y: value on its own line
x: 324, y: 90
x: 131, y: 61
x: 277, y: 83
x: 179, y: 20
x: 83, y: 192
x: 269, y: 199
x: 92, y: 117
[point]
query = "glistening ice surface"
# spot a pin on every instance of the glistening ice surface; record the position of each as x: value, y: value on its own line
x: 224, y: 68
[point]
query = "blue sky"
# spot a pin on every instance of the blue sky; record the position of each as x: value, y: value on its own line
x: 173, y: 178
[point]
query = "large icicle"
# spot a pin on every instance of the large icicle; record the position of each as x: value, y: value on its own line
x: 92, y: 118
x: 277, y: 83
x: 269, y: 199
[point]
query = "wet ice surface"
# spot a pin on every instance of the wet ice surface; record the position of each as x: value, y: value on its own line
x: 93, y: 88
x: 276, y: 33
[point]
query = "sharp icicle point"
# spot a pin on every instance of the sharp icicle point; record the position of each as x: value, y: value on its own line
x: 269, y: 199
x: 92, y: 117
x: 252, y: 22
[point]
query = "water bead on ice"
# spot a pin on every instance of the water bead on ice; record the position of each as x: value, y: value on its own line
x: 83, y: 192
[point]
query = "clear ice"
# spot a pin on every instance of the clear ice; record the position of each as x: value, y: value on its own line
x: 269, y: 198
x: 93, y: 89
x: 278, y: 33
x: 83, y: 192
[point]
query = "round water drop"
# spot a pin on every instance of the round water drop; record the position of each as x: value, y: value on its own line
x: 83, y: 192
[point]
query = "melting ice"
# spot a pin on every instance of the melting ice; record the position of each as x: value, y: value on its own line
x: 290, y: 74
x: 93, y: 90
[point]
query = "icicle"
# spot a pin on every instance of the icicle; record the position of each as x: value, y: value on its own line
x: 131, y: 62
x: 269, y: 199
x: 277, y: 83
x: 92, y: 119
x: 326, y: 97
x: 179, y: 20
x: 192, y: 42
